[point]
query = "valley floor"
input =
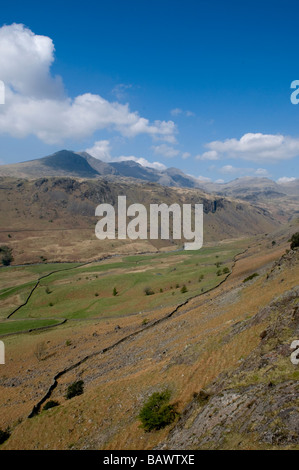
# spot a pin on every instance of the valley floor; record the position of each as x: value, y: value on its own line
x: 185, y: 345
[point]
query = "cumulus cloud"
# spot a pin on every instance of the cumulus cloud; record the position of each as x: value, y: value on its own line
x: 254, y: 147
x: 102, y: 151
x: 36, y: 102
x: 25, y: 60
x: 285, y: 179
x: 210, y: 155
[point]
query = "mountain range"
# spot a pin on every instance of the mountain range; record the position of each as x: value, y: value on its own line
x: 66, y: 163
x: 82, y: 165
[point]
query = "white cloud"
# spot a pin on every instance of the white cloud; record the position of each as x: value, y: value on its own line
x: 232, y: 170
x: 210, y: 155
x: 25, y: 60
x: 178, y: 111
x: 219, y: 181
x: 102, y: 151
x: 186, y: 155
x: 37, y: 104
x: 165, y: 150
x: 261, y: 172
x: 229, y: 169
x: 120, y: 90
x: 204, y: 179
x: 285, y: 179
x: 143, y: 162
x: 255, y: 147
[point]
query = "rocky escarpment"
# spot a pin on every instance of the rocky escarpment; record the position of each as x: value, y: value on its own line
x: 256, y: 405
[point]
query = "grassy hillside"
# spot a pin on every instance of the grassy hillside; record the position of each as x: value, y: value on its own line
x: 185, y: 349
x: 53, y: 219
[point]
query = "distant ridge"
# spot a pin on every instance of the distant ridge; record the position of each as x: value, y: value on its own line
x: 67, y: 163
x: 81, y: 164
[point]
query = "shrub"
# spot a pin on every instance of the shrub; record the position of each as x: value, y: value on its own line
x: 115, y: 291
x: 4, y: 435
x: 6, y: 255
x: 157, y: 413
x: 145, y: 321
x: 251, y: 277
x: 294, y: 240
x: 184, y: 289
x: 225, y: 270
x: 75, y: 389
x: 219, y: 272
x: 148, y: 291
x: 50, y: 404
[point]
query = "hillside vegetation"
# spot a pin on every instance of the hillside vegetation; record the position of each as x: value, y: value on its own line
x: 223, y: 355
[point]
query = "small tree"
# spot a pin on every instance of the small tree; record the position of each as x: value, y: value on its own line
x: 157, y: 412
x: 115, y: 291
x: 294, y: 240
x: 75, y: 389
x: 6, y: 255
x: 4, y: 435
x: 148, y: 291
x: 184, y: 289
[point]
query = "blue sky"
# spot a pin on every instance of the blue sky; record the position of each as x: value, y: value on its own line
x: 203, y: 86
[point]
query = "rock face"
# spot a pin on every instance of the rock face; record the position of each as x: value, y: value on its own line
x: 257, y: 404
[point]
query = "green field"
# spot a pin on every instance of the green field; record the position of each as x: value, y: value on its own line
x: 85, y: 292
x: 15, y: 326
